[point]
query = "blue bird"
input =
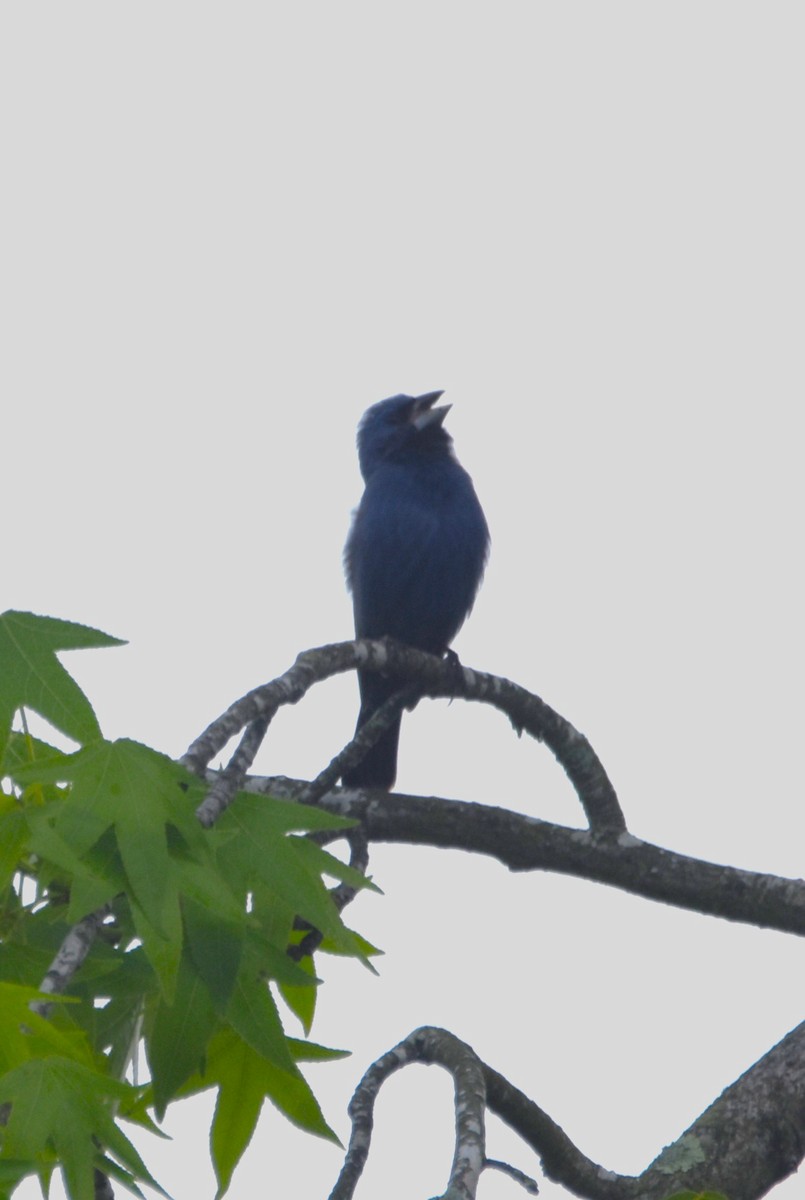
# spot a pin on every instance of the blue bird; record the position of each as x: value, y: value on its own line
x: 416, y: 551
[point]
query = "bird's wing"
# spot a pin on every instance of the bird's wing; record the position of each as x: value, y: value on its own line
x: 411, y: 558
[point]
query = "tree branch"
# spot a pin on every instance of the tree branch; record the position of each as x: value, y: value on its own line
x: 748, y: 1140
x: 524, y: 843
x: 69, y: 957
x: 433, y: 677
x: 427, y: 1045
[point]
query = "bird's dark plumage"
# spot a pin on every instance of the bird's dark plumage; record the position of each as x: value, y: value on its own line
x: 416, y: 551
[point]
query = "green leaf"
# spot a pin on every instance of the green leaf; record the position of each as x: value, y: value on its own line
x: 304, y: 1051
x: 136, y: 791
x: 253, y: 856
x: 94, y: 878
x: 31, y: 675
x: 365, y: 949
x: 63, y: 1106
x: 244, y: 1080
x: 215, y: 947
x: 301, y: 1000
x: 202, y: 881
x: 163, y: 947
x: 179, y: 1034
x: 13, y: 838
x: 30, y: 945
x: 283, y: 816
x: 146, y: 801
x: 115, y: 988
x: 324, y: 863
x: 271, y: 962
x: 272, y: 916
x: 114, y: 1172
x: 253, y: 1014
x: 241, y: 1093
x: 12, y: 1172
x: 22, y: 750
x: 24, y: 1034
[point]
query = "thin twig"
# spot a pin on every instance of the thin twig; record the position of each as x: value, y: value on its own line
x: 230, y: 780
x: 355, y: 751
x: 526, y: 1182
x: 69, y: 957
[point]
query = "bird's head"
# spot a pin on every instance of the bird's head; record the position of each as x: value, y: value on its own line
x: 402, y: 427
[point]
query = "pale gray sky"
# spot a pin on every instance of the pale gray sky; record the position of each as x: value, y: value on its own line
x: 228, y: 229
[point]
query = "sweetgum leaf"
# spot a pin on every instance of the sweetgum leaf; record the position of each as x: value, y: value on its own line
x: 31, y: 675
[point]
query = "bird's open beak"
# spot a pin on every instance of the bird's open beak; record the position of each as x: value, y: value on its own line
x: 424, y: 413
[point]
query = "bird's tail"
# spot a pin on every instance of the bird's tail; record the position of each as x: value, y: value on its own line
x: 379, y: 766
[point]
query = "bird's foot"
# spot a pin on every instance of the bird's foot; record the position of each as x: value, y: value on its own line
x: 452, y: 661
